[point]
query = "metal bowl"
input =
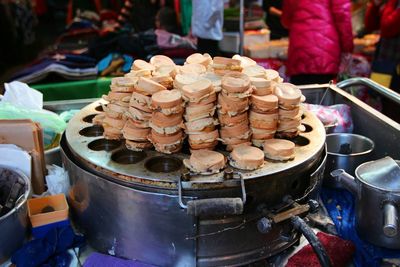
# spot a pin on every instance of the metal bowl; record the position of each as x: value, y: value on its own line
x: 13, y: 224
x: 346, y: 151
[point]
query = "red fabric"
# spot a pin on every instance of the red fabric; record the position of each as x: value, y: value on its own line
x: 108, y: 15
x: 319, y: 31
x: 177, y: 52
x: 340, y: 252
x: 270, y: 63
x: 177, y: 7
x: 387, y: 19
x: 40, y: 7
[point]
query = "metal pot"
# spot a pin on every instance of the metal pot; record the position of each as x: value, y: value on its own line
x: 14, y: 189
x: 53, y: 156
x: 377, y: 193
x: 346, y: 151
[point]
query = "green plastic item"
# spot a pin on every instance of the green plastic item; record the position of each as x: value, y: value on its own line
x: 74, y: 90
x: 186, y: 16
x: 52, y: 124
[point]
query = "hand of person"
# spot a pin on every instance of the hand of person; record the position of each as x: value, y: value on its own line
x: 275, y: 11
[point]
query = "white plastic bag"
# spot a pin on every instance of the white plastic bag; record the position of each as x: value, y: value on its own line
x: 57, y: 180
x: 22, y: 96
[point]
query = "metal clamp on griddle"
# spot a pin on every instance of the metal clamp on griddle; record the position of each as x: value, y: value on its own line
x: 264, y: 224
x: 215, y: 206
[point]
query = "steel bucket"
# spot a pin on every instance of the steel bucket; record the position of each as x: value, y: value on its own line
x: 346, y: 151
x: 13, y: 224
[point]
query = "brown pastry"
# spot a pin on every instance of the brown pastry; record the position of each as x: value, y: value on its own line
x: 279, y: 149
x: 246, y: 157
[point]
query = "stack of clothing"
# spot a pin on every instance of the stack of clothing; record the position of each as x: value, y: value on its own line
x: 68, y: 66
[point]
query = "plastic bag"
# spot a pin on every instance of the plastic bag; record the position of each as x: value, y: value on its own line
x: 23, y: 102
x: 47, y: 119
x: 52, y: 124
x: 21, y: 95
x: 57, y: 180
x: 337, y: 116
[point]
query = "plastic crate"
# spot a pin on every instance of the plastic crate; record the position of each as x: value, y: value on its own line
x: 74, y: 90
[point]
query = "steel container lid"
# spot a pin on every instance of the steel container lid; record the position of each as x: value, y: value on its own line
x: 382, y: 174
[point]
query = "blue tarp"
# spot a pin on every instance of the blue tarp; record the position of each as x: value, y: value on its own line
x: 340, y: 206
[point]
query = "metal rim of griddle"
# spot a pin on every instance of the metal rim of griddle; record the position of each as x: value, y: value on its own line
x: 87, y: 144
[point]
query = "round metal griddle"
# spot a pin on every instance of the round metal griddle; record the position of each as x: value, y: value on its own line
x: 86, y: 142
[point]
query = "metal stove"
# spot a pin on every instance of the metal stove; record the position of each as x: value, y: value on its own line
x: 147, y: 206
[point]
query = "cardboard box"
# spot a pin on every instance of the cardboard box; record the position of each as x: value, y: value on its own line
x: 272, y: 49
x: 231, y: 40
x: 47, y: 210
x: 29, y: 136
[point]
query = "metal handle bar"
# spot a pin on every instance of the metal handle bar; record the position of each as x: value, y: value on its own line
x: 386, y: 92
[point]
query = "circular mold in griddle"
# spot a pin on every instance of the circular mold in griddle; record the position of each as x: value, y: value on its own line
x: 300, y: 140
x: 104, y: 144
x: 92, y: 131
x: 126, y: 156
x: 308, y: 128
x: 99, y: 108
x: 89, y: 118
x: 163, y: 164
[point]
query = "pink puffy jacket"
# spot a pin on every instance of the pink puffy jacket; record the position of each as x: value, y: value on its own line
x: 319, y: 31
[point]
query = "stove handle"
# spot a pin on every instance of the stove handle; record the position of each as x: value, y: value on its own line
x: 215, y: 206
x: 390, y: 217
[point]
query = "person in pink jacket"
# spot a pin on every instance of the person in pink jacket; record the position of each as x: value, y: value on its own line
x: 319, y: 33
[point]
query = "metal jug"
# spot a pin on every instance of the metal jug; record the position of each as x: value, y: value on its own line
x: 377, y: 197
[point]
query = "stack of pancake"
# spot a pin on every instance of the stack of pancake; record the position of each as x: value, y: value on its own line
x: 137, y: 128
x: 166, y: 121
x: 273, y: 75
x: 165, y: 71
x: 114, y: 112
x: 290, y: 112
x: 224, y: 65
x: 200, y: 125
x: 233, y: 103
x: 197, y: 58
x: 153, y: 103
x: 264, y: 111
x: 140, y: 68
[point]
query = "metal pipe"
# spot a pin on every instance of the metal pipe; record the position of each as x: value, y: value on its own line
x: 386, y: 92
x: 300, y: 225
x: 241, y: 27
